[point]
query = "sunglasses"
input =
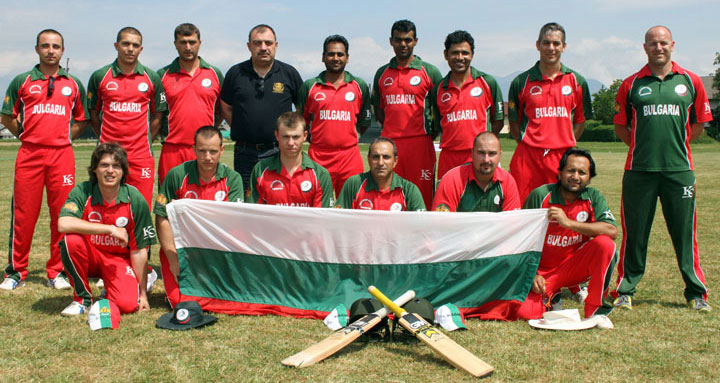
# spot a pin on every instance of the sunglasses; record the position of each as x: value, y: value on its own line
x: 260, y: 87
x: 51, y: 86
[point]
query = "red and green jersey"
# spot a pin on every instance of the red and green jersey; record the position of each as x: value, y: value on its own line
x: 459, y: 191
x: 660, y: 114
x: 362, y: 192
x: 589, y: 206
x: 183, y: 181
x: 547, y: 108
x: 335, y: 116
x: 404, y: 95
x: 125, y: 104
x: 309, y: 186
x: 466, y: 111
x: 193, y: 100
x: 46, y: 119
x: 129, y: 210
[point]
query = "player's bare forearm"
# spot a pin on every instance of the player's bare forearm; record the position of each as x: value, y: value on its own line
x: 515, y: 130
x: 77, y: 128
x: 155, y: 123
x: 589, y: 229
x: 696, y: 130
x: 95, y: 122
x: 538, y: 286
x: 497, y: 126
x: 578, y: 129
x: 379, y: 115
x: 226, y: 111
x: 80, y: 226
x: 138, y: 259
x: 623, y: 133
x: 167, y: 243
x: 218, y: 120
x: 11, y: 123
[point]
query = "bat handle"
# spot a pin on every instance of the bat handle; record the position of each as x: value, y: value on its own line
x: 374, y: 291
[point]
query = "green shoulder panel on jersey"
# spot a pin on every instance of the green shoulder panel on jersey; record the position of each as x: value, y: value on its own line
x: 495, y: 94
x: 144, y: 230
x: 600, y: 206
x: 303, y: 93
x: 168, y: 190
x: 75, y: 203
x: 93, y: 84
x: 363, y: 120
x: 516, y: 87
x: 160, y: 104
x: 536, y: 197
x: 375, y: 98
x: 82, y: 96
x: 258, y: 169
x: 236, y: 192
x: 347, y: 194
x: 587, y: 101
x: 413, y: 198
x: 11, y: 95
x: 436, y: 78
x: 326, y: 186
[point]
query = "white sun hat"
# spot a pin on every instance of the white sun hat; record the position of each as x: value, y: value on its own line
x: 563, y: 320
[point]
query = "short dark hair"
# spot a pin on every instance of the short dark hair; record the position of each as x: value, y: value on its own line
x: 577, y: 152
x: 336, y: 39
x: 208, y: 131
x: 290, y: 119
x: 49, y: 30
x: 404, y: 26
x: 551, y: 27
x: 260, y: 28
x: 458, y: 37
x: 186, y: 29
x: 383, y: 139
x: 130, y: 30
x: 118, y: 154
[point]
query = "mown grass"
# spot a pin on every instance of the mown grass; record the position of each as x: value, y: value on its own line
x: 660, y: 340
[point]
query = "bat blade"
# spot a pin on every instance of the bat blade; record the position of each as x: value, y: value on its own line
x: 452, y: 352
x: 341, y: 338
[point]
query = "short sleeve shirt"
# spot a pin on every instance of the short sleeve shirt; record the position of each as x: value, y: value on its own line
x: 335, y: 115
x: 192, y: 100
x: 404, y: 94
x: 547, y: 108
x: 466, y: 111
x: 459, y: 191
x: 256, y: 103
x: 589, y: 206
x: 362, y: 192
x: 129, y: 210
x: 309, y: 186
x: 125, y: 103
x: 46, y: 119
x: 660, y: 114
x: 183, y: 181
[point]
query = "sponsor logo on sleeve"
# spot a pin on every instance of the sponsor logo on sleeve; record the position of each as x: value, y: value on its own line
x: 71, y: 207
x: 442, y: 207
x: 278, y: 87
x: 707, y: 108
x: 161, y: 199
x: 496, y: 200
x: 7, y: 99
x: 66, y: 91
x: 206, y: 83
x: 607, y: 214
x: 511, y: 105
x: 148, y: 232
x: 129, y: 271
x: 617, y: 107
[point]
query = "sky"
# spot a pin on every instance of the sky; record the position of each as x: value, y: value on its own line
x: 604, y: 37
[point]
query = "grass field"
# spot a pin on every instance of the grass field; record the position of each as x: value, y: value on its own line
x: 660, y: 340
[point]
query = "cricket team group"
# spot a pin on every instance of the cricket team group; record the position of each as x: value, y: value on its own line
x: 102, y: 228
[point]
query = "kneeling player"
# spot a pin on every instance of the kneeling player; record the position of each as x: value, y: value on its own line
x: 107, y: 229
x: 290, y: 177
x: 202, y: 178
x: 380, y: 188
x: 579, y: 242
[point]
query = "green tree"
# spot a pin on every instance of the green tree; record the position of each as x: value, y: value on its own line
x: 716, y: 78
x: 603, y: 102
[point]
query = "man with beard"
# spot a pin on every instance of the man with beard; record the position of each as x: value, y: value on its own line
x: 479, y: 185
x: 335, y: 105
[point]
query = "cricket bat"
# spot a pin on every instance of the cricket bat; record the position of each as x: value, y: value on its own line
x: 341, y: 338
x: 441, y: 344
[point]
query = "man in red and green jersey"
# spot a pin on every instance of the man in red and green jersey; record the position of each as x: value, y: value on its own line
x: 45, y: 108
x: 192, y: 90
x: 547, y: 108
x: 380, y: 188
x: 401, y: 99
x: 466, y: 103
x: 202, y: 178
x: 107, y: 229
x: 660, y: 109
x: 579, y: 244
x: 126, y: 105
x: 479, y: 185
x: 335, y: 105
x: 290, y: 177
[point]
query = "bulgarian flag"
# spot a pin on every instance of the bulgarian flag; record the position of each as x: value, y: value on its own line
x: 240, y: 258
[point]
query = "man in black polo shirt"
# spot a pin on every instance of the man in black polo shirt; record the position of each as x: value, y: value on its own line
x: 254, y: 94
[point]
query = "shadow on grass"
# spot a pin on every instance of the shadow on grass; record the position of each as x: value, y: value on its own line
x: 37, y: 277
x: 655, y: 302
x: 51, y: 305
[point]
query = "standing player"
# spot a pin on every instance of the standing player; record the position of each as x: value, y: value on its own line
x: 401, y: 99
x: 192, y: 90
x: 466, y: 102
x: 660, y: 109
x: 254, y: 94
x: 579, y: 243
x: 335, y: 105
x: 202, y: 178
x: 45, y: 108
x: 108, y: 229
x: 547, y: 108
x: 479, y: 185
x: 126, y: 106
x: 380, y: 188
x: 290, y: 177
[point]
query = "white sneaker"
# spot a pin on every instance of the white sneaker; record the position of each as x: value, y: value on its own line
x: 59, y: 283
x: 580, y: 296
x: 100, y: 284
x: 73, y: 309
x: 151, y: 278
x: 10, y: 284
